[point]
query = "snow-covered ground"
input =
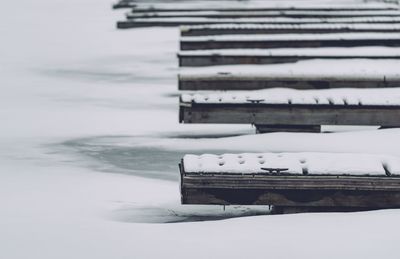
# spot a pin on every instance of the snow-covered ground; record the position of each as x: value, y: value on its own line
x: 90, y: 143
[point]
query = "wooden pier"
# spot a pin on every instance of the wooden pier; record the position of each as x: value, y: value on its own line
x: 229, y: 57
x: 156, y: 8
x: 290, y: 41
x: 266, y: 14
x: 233, y: 33
x: 249, y: 29
x: 337, y: 189
x: 291, y: 113
x: 173, y: 22
x: 227, y: 81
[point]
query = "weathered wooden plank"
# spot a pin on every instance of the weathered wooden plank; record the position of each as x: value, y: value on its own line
x: 296, y: 198
x: 290, y: 114
x: 174, y: 8
x: 172, y: 22
x: 263, y: 14
x: 280, y: 190
x: 251, y: 82
x: 193, y: 43
x: 192, y: 60
x: 286, y: 182
x: 230, y: 29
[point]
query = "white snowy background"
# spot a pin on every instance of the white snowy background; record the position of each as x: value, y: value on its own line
x: 90, y: 145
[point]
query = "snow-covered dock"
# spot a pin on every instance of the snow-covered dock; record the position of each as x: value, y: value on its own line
x: 178, y: 21
x: 293, y: 110
x: 259, y: 56
x: 314, y: 181
x: 261, y: 14
x: 224, y: 81
x: 289, y: 41
x: 246, y: 29
x: 240, y: 6
x: 354, y: 73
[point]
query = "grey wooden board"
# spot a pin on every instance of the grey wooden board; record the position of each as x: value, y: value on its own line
x: 290, y: 114
x: 277, y: 30
x: 259, y: 14
x: 300, y: 198
x: 244, y: 9
x: 173, y: 23
x: 290, y: 190
x: 188, y: 60
x: 200, y: 44
x: 251, y: 82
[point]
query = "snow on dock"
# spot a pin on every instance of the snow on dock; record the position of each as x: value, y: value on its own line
x: 293, y: 110
x: 178, y: 21
x: 231, y: 29
x: 353, y: 73
x: 322, y: 180
x: 294, y: 163
x: 356, y: 97
x: 263, y: 56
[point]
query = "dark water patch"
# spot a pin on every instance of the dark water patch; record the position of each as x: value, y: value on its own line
x: 108, y: 155
x: 185, y: 213
x: 112, y: 76
x: 173, y: 95
x: 204, y: 135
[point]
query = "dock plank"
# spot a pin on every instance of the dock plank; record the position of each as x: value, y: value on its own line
x: 289, y: 41
x: 248, y: 29
x: 227, y: 82
x: 173, y: 22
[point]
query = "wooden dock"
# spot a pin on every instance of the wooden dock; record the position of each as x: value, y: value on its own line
x: 231, y: 33
x: 265, y: 14
x: 231, y: 57
x: 227, y: 81
x: 173, y: 22
x: 290, y: 41
x: 296, y: 112
x: 248, y: 29
x: 156, y: 8
x: 280, y: 186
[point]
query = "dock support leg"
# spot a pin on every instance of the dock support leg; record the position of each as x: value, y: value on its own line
x: 287, y: 128
x: 388, y: 127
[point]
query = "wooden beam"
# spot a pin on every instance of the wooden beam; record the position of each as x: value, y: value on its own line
x: 295, y: 191
x: 263, y: 14
x: 174, y: 8
x: 226, y: 82
x: 212, y: 59
x: 173, y: 22
x: 208, y: 30
x: 290, y: 114
x: 193, y: 43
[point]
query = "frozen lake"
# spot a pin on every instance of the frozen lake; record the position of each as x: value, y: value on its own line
x: 90, y: 145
